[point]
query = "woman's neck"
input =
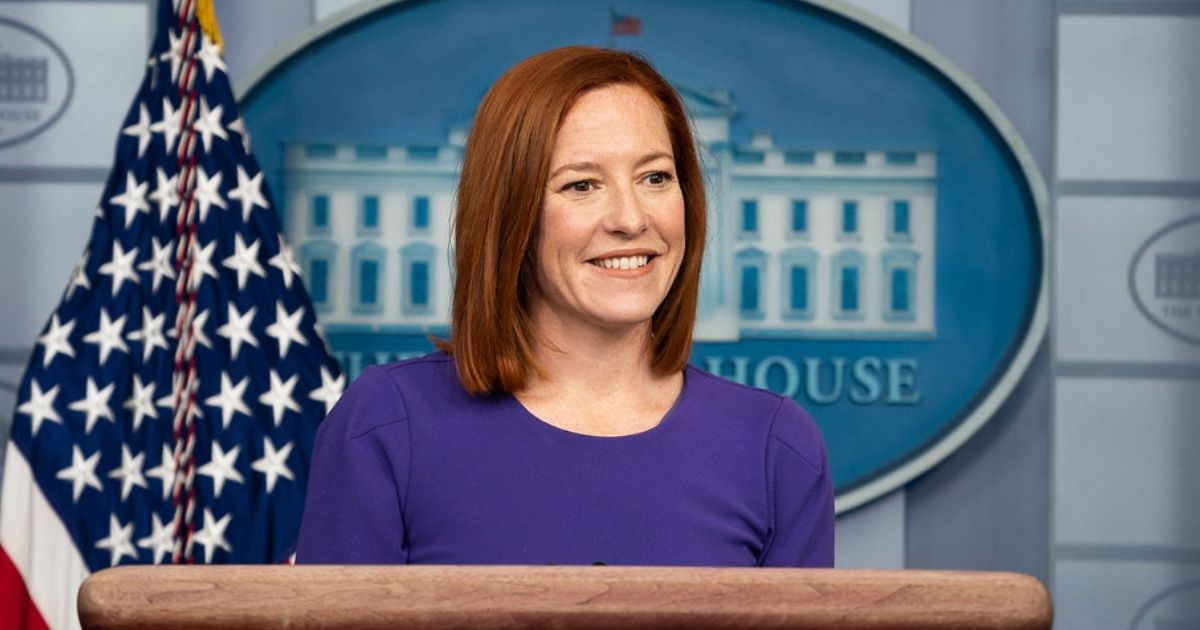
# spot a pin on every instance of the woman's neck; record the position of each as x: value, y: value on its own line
x: 597, y: 381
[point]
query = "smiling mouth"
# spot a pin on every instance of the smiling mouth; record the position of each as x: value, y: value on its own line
x: 622, y: 262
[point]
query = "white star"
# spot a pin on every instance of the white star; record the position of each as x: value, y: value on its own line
x: 130, y: 472
x: 208, y: 192
x: 286, y: 328
x: 202, y: 263
x: 208, y: 124
x: 330, y: 390
x: 239, y: 126
x: 174, y: 53
x: 57, y: 340
x: 150, y: 334
x: 285, y: 263
x: 213, y: 535
x: 120, y: 267
x: 141, y: 129
x: 161, y: 263
x: 119, y: 541
x: 40, y: 405
x: 248, y: 192
x: 170, y: 125
x: 237, y: 329
x: 221, y: 467
x: 244, y: 260
x: 133, y: 199
x: 230, y: 399
x: 141, y: 402
x: 198, y: 324
x: 274, y: 463
x: 79, y: 278
x: 160, y: 542
x: 94, y: 404
x: 166, y: 194
x: 108, y: 336
x: 81, y: 472
x: 279, y: 396
x: 165, y: 471
x: 210, y: 56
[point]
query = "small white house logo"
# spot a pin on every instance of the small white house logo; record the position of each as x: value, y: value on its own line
x: 1164, y: 279
x: 36, y: 82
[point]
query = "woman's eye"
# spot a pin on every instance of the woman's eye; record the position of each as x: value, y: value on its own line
x: 659, y: 178
x: 579, y: 187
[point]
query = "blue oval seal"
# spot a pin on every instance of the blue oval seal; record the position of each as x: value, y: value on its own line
x: 36, y: 82
x: 878, y: 230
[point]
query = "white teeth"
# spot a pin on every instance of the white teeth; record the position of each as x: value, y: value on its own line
x: 623, y: 262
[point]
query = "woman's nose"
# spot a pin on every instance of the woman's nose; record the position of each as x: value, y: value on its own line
x: 625, y: 212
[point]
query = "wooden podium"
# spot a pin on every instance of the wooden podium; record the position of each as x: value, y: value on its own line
x: 485, y: 598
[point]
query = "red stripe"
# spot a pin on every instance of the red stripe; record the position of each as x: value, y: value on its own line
x: 17, y: 610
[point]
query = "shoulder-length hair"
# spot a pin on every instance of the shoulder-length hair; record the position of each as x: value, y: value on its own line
x: 500, y: 194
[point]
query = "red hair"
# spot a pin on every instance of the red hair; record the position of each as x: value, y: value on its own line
x: 500, y: 194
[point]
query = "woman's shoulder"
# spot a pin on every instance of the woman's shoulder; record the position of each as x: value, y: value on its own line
x: 382, y: 393
x: 786, y: 423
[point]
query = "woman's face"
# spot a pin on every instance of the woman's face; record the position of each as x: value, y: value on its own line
x: 612, y: 227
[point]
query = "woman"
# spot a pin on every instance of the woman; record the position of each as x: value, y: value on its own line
x: 561, y: 423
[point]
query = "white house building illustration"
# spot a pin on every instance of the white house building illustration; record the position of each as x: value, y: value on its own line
x: 827, y: 243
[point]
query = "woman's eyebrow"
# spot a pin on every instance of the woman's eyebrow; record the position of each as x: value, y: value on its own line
x: 587, y: 167
x: 575, y: 166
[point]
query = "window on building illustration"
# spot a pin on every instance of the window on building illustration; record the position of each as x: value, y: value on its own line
x: 799, y: 266
x: 370, y: 152
x: 849, y: 158
x: 750, y: 291
x: 799, y: 157
x: 320, y: 150
x: 423, y: 153
x: 900, y: 286
x: 899, y: 225
x: 849, y: 289
x: 901, y: 158
x: 420, y: 213
x: 798, y: 295
x: 799, y: 216
x: 317, y: 261
x: 743, y: 156
x: 849, y: 218
x: 368, y: 282
x: 369, y: 217
x: 749, y: 218
x: 318, y: 281
x: 320, y: 213
x: 368, y: 263
x: 900, y: 277
x: 848, y: 281
x: 417, y: 278
x: 751, y: 264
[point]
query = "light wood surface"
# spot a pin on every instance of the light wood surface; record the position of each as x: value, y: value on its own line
x: 485, y: 598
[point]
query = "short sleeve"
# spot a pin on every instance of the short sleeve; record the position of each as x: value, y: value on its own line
x: 353, y: 511
x: 799, y: 492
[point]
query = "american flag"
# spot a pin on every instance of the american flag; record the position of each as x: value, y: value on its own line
x: 168, y: 410
x: 623, y: 24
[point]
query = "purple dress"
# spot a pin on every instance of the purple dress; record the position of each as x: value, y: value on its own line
x: 410, y: 468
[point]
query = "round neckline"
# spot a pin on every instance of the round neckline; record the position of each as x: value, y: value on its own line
x: 668, y: 419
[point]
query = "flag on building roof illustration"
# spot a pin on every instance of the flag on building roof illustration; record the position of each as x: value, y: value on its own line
x: 624, y: 24
x: 169, y: 406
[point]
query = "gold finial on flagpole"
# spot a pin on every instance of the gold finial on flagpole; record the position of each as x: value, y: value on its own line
x: 206, y: 13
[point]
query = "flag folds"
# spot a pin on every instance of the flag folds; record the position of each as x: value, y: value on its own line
x: 169, y: 406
